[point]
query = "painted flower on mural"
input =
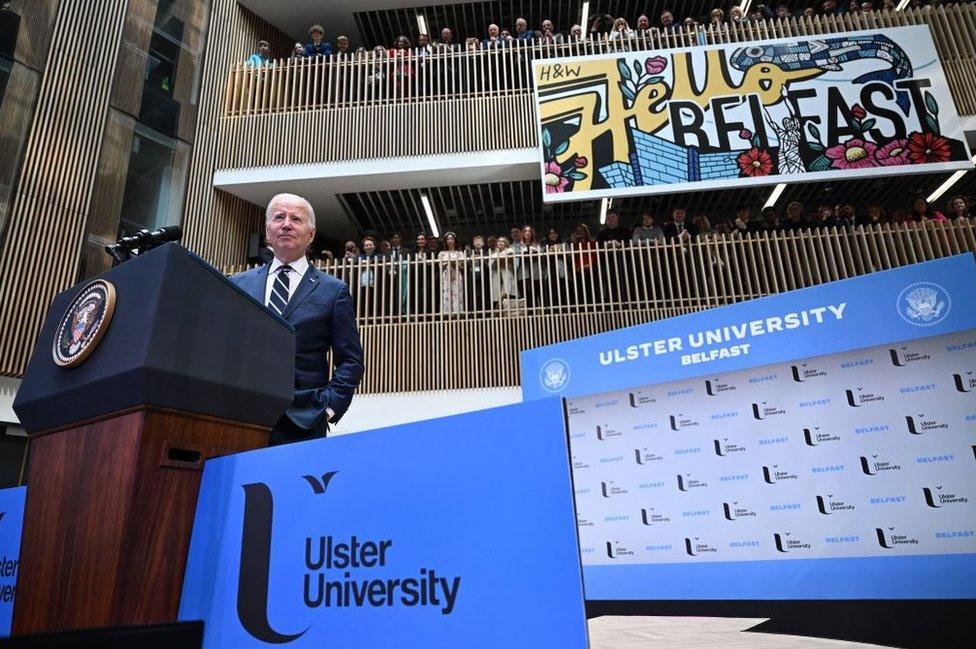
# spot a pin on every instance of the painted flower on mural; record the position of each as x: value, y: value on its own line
x: 552, y: 176
x: 852, y: 154
x: 655, y: 65
x: 755, y: 163
x: 858, y: 111
x: 581, y: 162
x: 926, y: 148
x: 892, y: 154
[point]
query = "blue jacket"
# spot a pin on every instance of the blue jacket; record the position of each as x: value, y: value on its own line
x: 322, y: 313
x: 323, y: 49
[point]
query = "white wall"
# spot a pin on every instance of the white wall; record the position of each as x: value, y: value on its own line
x: 368, y: 410
x: 378, y: 410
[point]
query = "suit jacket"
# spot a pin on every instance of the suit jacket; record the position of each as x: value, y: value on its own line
x: 671, y: 230
x: 321, y: 311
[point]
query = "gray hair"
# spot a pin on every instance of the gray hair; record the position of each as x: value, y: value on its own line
x: 309, y: 212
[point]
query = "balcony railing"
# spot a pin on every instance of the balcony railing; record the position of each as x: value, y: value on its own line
x: 448, y: 102
x: 459, y: 321
x: 416, y: 76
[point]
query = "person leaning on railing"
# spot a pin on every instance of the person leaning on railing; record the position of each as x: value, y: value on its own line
x: 402, y: 56
x: 647, y: 231
x: 447, y: 41
x: 548, y: 33
x: 532, y: 273
x: 556, y: 259
x: 522, y: 31
x: 479, y: 285
x: 494, y: 38
x: 958, y: 209
x: 261, y: 58
x: 620, y: 30
x: 502, y: 268
x: 584, y: 259
x: 922, y: 211
x: 318, y: 46
x: 678, y: 227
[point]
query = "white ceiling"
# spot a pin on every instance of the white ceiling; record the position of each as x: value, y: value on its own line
x: 321, y: 184
x: 294, y: 17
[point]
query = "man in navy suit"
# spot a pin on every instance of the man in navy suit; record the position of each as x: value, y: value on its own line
x: 319, y: 307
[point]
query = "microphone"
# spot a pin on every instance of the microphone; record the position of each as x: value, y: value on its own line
x: 143, y: 241
x: 146, y: 240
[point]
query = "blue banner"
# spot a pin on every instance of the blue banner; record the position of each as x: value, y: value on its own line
x: 454, y: 532
x: 11, y: 526
x: 926, y: 299
x: 816, y: 444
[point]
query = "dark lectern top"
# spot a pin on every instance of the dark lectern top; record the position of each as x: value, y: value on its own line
x: 181, y: 337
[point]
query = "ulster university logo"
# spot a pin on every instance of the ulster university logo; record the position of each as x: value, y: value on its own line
x: 763, y: 410
x: 890, y: 537
x: 965, y: 382
x: 332, y: 567
x: 857, y: 397
x: 803, y: 372
x: 921, y: 424
x: 715, y: 387
x: 904, y: 356
x: 84, y: 324
x: 252, y: 585
x: 939, y: 497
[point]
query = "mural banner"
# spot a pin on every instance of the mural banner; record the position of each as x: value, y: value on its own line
x: 800, y: 109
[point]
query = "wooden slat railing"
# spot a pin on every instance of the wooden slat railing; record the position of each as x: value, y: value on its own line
x: 367, y: 80
x: 460, y: 323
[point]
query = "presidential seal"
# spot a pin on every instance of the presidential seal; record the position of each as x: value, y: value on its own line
x: 924, y: 304
x: 554, y: 375
x: 84, y: 323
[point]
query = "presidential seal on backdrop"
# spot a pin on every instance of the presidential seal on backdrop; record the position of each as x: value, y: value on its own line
x: 924, y: 304
x: 84, y: 323
x: 554, y: 375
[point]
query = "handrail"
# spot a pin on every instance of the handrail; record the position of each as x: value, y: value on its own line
x: 408, y: 307
x: 338, y: 82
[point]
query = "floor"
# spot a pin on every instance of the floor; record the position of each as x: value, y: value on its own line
x: 633, y: 632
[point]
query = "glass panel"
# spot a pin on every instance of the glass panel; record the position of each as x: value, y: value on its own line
x: 140, y: 185
x: 159, y: 64
x: 154, y: 183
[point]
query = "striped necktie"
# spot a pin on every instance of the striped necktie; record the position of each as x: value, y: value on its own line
x: 279, y: 292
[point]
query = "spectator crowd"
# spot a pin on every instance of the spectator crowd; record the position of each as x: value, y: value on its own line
x: 601, y: 27
x: 499, y: 271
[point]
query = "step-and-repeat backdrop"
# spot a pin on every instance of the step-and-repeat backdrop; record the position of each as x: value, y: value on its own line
x: 823, y: 475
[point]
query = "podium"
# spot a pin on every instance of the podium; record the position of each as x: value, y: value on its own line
x: 186, y: 367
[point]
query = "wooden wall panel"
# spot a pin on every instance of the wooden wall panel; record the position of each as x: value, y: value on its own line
x: 36, y: 24
x: 15, y: 117
x: 39, y: 254
x: 216, y: 225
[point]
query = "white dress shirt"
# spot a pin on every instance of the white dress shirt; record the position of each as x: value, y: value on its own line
x: 295, y: 276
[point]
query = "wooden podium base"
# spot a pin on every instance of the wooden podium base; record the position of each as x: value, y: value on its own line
x: 109, y: 512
